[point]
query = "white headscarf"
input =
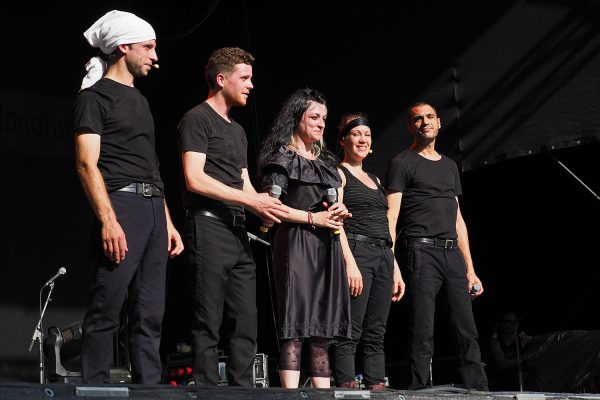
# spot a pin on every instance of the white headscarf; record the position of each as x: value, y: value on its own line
x: 114, y: 28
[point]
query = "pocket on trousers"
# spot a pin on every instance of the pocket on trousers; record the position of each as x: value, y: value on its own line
x: 413, y: 262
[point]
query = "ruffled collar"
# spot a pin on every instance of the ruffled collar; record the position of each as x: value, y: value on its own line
x: 304, y: 170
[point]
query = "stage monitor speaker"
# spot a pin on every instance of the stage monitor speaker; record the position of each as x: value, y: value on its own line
x: 64, y: 345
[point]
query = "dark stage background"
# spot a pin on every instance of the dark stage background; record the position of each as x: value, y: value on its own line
x: 516, y: 83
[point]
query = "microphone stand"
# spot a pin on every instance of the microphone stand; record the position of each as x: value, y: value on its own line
x: 519, y: 366
x: 38, y: 333
x: 573, y: 175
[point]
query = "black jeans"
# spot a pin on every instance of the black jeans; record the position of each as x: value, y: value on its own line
x: 224, y: 284
x: 141, y: 277
x: 431, y: 269
x: 369, y: 316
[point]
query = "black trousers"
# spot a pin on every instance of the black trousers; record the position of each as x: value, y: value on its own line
x: 431, y: 270
x: 224, y: 285
x: 369, y: 316
x: 141, y: 277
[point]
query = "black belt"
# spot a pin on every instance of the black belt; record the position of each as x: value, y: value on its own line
x: 369, y: 239
x: 445, y: 243
x: 144, y: 189
x: 227, y: 219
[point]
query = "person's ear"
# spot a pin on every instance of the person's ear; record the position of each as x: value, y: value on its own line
x: 123, y: 48
x: 221, y: 80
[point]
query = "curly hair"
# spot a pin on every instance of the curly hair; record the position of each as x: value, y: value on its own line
x: 286, y: 123
x: 223, y: 61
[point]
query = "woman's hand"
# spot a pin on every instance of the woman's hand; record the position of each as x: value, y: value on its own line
x: 399, y: 287
x: 338, y: 210
x: 355, y: 281
x: 327, y: 219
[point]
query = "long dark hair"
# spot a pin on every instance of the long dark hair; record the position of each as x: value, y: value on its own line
x: 287, y: 121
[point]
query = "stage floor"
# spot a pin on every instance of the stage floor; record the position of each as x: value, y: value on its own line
x: 29, y: 391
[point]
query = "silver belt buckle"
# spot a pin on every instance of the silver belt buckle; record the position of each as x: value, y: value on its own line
x: 448, y: 244
x: 147, y: 189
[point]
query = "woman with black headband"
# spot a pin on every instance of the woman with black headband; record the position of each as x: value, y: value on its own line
x: 370, y: 243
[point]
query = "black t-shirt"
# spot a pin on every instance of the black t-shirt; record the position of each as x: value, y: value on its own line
x: 121, y: 116
x: 429, y: 189
x: 202, y: 130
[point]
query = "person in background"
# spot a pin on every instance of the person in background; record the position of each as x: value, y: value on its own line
x: 377, y: 273
x: 311, y: 284
x: 507, y: 346
x: 118, y: 168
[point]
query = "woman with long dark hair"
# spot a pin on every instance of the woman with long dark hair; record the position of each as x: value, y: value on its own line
x: 310, y: 279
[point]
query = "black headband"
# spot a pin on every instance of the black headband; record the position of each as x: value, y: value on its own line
x: 353, y: 124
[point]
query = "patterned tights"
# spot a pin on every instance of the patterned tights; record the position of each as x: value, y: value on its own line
x: 291, y: 356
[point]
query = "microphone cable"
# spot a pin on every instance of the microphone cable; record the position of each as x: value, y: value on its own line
x: 191, y: 30
x: 269, y: 266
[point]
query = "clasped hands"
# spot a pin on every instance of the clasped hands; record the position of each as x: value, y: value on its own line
x: 333, y: 217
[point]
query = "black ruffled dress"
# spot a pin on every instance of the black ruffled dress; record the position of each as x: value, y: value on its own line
x: 310, y: 278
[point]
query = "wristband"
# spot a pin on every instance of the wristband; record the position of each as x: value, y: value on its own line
x: 310, y: 219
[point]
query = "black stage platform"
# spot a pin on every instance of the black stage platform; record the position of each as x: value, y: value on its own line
x: 19, y: 391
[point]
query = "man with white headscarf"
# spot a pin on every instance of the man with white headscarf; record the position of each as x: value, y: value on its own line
x: 118, y: 168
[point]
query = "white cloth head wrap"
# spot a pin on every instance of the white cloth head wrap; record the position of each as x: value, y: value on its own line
x: 114, y: 28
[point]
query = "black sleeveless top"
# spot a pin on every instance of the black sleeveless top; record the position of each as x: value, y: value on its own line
x: 368, y: 207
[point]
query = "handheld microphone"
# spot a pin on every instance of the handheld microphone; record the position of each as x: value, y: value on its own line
x: 370, y: 151
x: 155, y: 66
x: 331, y: 199
x: 331, y: 196
x: 259, y: 240
x: 475, y: 289
x: 60, y: 272
x: 275, y: 193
